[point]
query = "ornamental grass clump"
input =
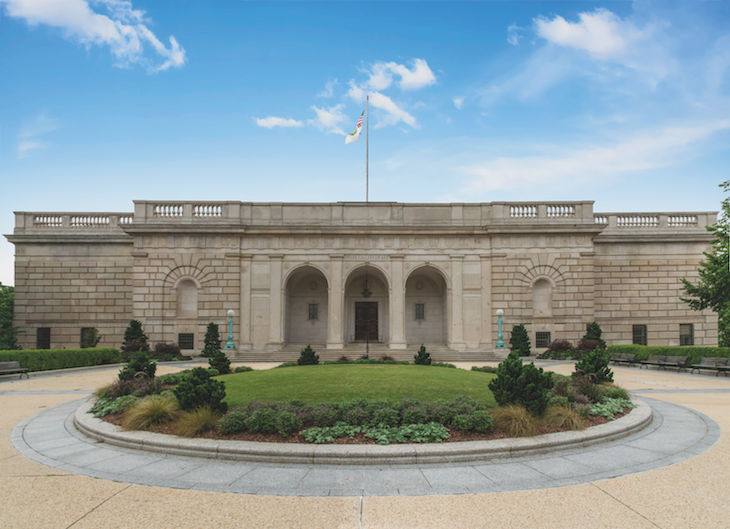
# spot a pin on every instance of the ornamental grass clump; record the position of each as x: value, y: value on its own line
x: 563, y: 418
x: 151, y: 411
x: 515, y: 420
x: 197, y: 421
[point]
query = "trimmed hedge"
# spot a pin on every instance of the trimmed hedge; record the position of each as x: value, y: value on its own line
x: 695, y: 354
x: 47, y: 359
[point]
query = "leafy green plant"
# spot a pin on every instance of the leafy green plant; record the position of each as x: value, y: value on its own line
x: 308, y: 357
x: 243, y: 369
x: 212, y: 340
x: 287, y: 423
x: 194, y: 422
x: 422, y: 357
x: 477, y: 421
x: 197, y: 390
x: 609, y: 408
x: 594, y: 365
x: 525, y: 385
x: 138, y: 363
x: 519, y: 340
x: 262, y: 420
x: 615, y: 392
x: 233, y: 422
x: 105, y: 406
x: 150, y: 411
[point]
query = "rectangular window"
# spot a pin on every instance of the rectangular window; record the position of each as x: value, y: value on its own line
x: 186, y: 340
x: 88, y: 337
x: 639, y: 334
x: 420, y: 311
x: 686, y: 334
x: 43, y: 338
x: 314, y: 311
x: 542, y: 339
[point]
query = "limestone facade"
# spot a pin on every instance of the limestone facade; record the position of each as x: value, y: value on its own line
x: 338, y: 275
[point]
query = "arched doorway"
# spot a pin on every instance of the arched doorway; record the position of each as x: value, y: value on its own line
x: 366, y: 306
x: 306, y: 307
x: 425, y: 308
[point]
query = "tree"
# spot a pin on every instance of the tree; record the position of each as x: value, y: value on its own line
x: 8, y: 333
x: 134, y: 338
x: 522, y: 384
x: 212, y: 340
x: 712, y: 290
x: 422, y: 357
x: 593, y: 332
x: 519, y: 340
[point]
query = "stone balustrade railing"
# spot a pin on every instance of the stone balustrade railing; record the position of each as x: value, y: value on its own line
x: 519, y: 214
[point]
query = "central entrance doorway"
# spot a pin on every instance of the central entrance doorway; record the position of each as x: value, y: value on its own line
x: 366, y: 321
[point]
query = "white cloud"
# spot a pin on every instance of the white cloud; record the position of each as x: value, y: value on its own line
x: 31, y: 135
x: 649, y: 150
x: 381, y: 75
x: 393, y: 113
x: 514, y: 34
x: 458, y: 102
x: 329, y: 89
x: 122, y: 28
x: 601, y: 33
x: 329, y: 119
x: 270, y: 122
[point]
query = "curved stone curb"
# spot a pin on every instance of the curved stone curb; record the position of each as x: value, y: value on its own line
x: 410, y: 454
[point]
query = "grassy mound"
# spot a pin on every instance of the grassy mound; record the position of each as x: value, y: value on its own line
x: 336, y: 383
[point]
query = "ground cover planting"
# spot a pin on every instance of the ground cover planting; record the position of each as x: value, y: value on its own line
x: 355, y: 403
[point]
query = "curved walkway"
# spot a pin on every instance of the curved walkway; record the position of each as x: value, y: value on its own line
x: 687, y: 493
x: 675, y: 434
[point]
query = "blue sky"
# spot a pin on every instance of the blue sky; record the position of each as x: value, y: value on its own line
x: 107, y: 101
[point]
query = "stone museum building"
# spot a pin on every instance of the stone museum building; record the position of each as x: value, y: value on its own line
x: 349, y: 275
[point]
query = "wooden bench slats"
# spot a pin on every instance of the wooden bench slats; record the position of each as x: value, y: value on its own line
x: 12, y: 368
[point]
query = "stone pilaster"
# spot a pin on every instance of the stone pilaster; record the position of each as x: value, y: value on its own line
x: 456, y: 336
x: 335, y: 307
x: 486, y: 327
x: 245, y: 312
x: 275, y: 303
x: 397, y: 304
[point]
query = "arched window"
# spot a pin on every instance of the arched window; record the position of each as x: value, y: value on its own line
x: 187, y: 299
x: 542, y: 298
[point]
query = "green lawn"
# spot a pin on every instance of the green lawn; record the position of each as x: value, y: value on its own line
x: 334, y: 383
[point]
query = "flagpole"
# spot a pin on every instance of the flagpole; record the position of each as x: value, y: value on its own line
x: 367, y: 149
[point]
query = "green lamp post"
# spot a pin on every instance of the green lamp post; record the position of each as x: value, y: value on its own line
x: 230, y: 346
x: 500, y: 341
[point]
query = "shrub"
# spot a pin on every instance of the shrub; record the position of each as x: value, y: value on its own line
x: 519, y: 340
x: 525, y: 385
x: 560, y: 346
x: 585, y: 386
x: 219, y: 361
x: 343, y: 359
x: 167, y: 351
x: 558, y: 400
x: 233, y: 422
x: 695, y: 353
x: 90, y: 337
x: 47, y: 359
x: 594, y: 365
x: 615, y: 392
x: 139, y: 363
x: 308, y: 357
x: 325, y: 415
x: 197, y: 390
x: 194, y: 422
x: 262, y: 420
x: 134, y: 338
x: 414, y: 414
x: 593, y: 332
x: 515, y: 420
x: 212, y: 340
x: 484, y: 369
x: 587, y: 344
x: 384, y: 413
x: 564, y: 418
x: 287, y: 423
x: 476, y: 421
x: 139, y: 387
x: 422, y: 357
x: 172, y: 379
x: 243, y: 369
x: 443, y: 364
x: 150, y: 411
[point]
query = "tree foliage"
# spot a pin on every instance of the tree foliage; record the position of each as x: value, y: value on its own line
x: 134, y: 338
x: 712, y: 290
x: 593, y: 332
x: 519, y: 340
x: 8, y: 333
x: 522, y: 384
x: 212, y: 340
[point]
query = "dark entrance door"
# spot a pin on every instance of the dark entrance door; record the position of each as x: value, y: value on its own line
x: 366, y: 321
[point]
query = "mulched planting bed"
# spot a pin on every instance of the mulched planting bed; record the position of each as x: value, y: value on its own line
x: 454, y: 435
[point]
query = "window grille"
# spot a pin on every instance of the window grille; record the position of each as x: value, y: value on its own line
x: 639, y: 334
x: 43, y: 338
x: 686, y: 334
x: 186, y: 340
x: 420, y: 311
x: 314, y: 311
x: 542, y: 339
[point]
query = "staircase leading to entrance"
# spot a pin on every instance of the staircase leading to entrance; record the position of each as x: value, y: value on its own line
x: 439, y: 353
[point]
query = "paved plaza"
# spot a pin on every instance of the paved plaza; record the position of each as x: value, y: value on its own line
x: 671, y: 474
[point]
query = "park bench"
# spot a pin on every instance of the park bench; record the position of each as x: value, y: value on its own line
x: 680, y: 362
x: 624, y: 358
x: 717, y: 364
x: 11, y: 368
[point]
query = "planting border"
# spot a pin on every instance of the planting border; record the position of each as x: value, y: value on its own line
x: 371, y: 455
